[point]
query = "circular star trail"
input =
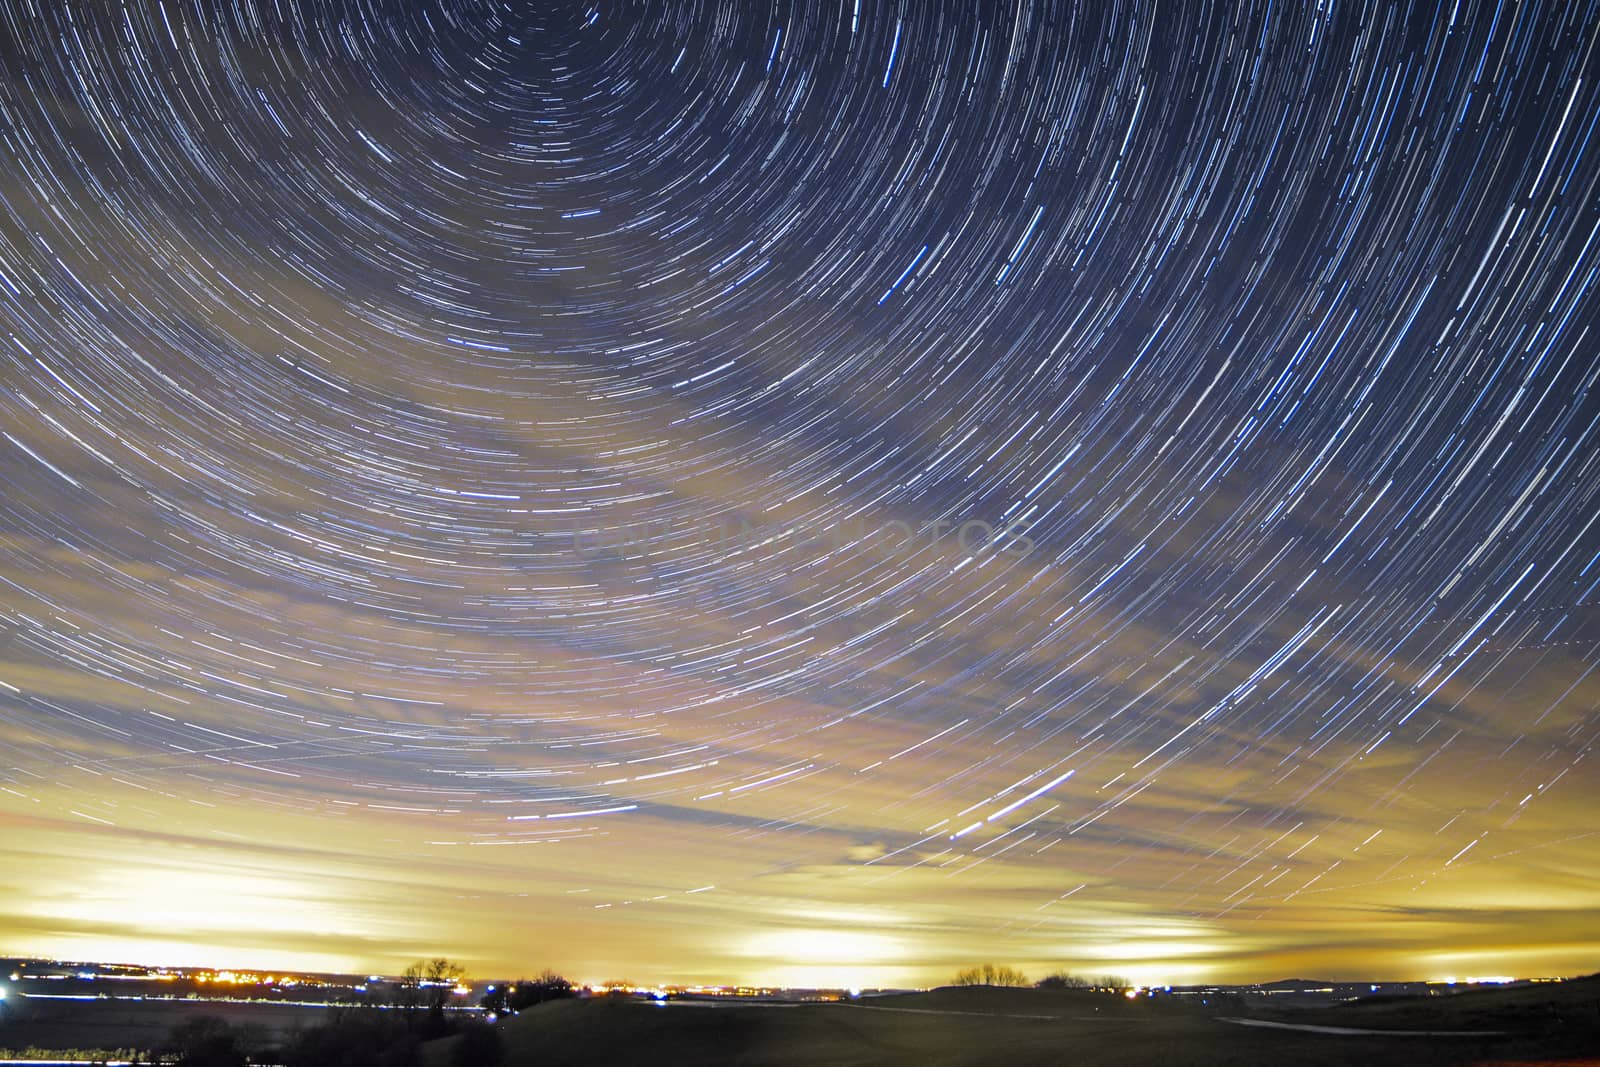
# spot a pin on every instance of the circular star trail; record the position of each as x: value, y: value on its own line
x: 1015, y: 461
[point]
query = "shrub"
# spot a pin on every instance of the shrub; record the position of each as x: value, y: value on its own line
x: 369, y: 1038
x: 477, y: 1045
x: 206, y: 1042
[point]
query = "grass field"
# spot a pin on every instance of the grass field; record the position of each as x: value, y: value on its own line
x: 108, y: 1024
x: 954, y: 1027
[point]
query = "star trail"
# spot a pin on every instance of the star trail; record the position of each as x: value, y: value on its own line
x: 827, y: 492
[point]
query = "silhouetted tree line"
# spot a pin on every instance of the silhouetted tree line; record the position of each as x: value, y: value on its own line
x: 1063, y: 980
x: 989, y: 974
x: 1009, y: 977
x: 524, y: 993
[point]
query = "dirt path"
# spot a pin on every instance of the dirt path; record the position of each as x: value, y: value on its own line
x: 1350, y: 1031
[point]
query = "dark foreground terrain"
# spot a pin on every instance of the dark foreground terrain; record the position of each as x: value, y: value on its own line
x: 949, y: 1027
x: 136, y: 1024
x: 1545, y: 1024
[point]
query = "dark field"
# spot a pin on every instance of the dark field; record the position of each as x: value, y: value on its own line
x: 941, y: 1028
x: 112, y: 1024
x: 1549, y: 1024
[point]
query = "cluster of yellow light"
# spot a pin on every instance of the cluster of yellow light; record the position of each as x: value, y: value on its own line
x: 676, y: 990
x: 241, y: 978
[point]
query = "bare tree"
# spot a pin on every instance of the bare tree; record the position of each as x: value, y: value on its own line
x: 408, y: 992
x: 427, y: 985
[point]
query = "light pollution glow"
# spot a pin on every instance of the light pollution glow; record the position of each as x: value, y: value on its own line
x: 1272, y: 326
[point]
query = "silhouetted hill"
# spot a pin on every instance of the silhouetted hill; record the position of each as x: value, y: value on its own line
x: 1576, y: 1001
x: 972, y: 1026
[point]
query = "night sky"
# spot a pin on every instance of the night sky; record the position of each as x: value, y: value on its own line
x: 819, y: 493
